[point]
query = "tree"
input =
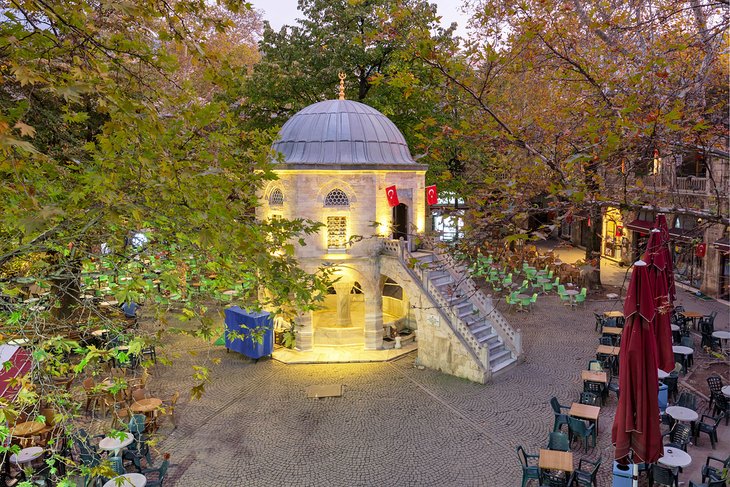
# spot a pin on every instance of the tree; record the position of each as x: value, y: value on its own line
x: 101, y: 138
x: 565, y: 94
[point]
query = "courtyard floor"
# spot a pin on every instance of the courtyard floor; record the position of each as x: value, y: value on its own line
x: 394, y: 424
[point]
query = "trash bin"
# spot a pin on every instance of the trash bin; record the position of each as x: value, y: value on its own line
x: 663, y: 397
x: 622, y: 475
x: 249, y: 325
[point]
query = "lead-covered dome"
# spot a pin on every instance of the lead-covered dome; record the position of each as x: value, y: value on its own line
x: 344, y: 133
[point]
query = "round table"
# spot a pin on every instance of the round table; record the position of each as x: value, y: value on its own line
x: 682, y: 350
x: 675, y: 457
x: 571, y: 293
x: 722, y: 335
x: 662, y: 374
x: 26, y: 455
x: 674, y: 327
x: 115, y: 444
x: 145, y: 405
x: 29, y: 428
x: 682, y: 414
x: 726, y: 390
x: 130, y: 480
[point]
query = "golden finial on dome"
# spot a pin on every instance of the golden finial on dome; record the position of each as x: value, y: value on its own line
x: 342, y: 85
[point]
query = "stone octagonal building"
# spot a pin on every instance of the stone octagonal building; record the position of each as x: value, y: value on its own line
x: 339, y: 156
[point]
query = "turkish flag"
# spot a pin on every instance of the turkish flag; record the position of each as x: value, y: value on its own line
x: 392, y: 195
x: 432, y: 196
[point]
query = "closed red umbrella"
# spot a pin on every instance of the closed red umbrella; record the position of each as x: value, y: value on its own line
x: 661, y: 224
x: 636, y: 424
x: 655, y: 257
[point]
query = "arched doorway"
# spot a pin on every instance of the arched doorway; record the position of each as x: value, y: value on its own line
x: 400, y: 222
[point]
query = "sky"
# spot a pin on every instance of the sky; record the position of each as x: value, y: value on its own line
x: 281, y: 12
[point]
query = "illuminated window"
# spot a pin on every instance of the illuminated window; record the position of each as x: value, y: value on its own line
x: 336, y: 197
x: 336, y: 232
x: 276, y: 198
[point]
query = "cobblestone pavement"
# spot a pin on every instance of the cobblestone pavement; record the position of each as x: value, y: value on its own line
x: 395, y: 425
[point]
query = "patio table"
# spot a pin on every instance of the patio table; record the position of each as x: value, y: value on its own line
x: 723, y: 335
x: 608, y: 350
x: 661, y: 374
x: 585, y: 411
x: 594, y: 376
x: 556, y: 460
x: 130, y: 480
x: 572, y: 293
x: 675, y: 457
x: 613, y: 314
x: 726, y: 390
x: 692, y: 315
x: 612, y: 330
x: 26, y: 455
x: 115, y: 444
x: 682, y: 414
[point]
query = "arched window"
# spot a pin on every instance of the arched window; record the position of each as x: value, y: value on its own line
x: 276, y: 198
x: 336, y: 197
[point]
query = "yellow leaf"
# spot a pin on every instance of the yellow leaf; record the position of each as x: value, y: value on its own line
x: 25, y: 129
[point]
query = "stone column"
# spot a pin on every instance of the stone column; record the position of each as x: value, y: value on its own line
x: 373, y: 321
x: 305, y: 331
x: 342, y: 289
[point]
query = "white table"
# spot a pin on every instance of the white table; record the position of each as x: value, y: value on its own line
x: 722, y: 335
x: 662, y: 374
x: 680, y: 413
x: 572, y: 293
x: 682, y: 350
x: 726, y: 390
x: 130, y: 480
x: 26, y: 455
x: 115, y: 444
x: 674, y: 327
x: 674, y: 457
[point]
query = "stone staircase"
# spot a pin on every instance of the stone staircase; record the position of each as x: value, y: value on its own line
x: 449, y: 282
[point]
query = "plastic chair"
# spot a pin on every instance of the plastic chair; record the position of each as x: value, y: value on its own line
x: 580, y: 298
x: 714, y: 382
x: 711, y: 483
x: 722, y: 405
x: 560, y: 417
x: 680, y: 435
x: 687, y: 400
x: 533, y: 299
x: 595, y: 365
x: 577, y: 427
x: 710, y: 428
x: 587, y: 478
x: 663, y: 475
x: 671, y: 381
x: 712, y: 472
x: 556, y: 479
x: 529, y: 472
x: 168, y: 408
x: 558, y: 441
x: 158, y: 474
x: 588, y: 398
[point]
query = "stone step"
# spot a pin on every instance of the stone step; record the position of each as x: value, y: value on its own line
x: 442, y: 279
x: 498, y: 356
x: 503, y: 366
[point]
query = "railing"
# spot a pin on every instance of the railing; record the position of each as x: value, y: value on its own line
x: 397, y: 248
x: 691, y: 185
x: 511, y: 337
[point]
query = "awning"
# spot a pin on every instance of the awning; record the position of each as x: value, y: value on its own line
x: 723, y: 245
x: 20, y: 364
x: 641, y: 226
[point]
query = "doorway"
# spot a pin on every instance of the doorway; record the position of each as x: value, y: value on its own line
x: 400, y: 222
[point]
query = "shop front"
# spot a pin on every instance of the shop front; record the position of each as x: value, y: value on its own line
x: 723, y: 248
x: 640, y: 229
x: 614, y: 239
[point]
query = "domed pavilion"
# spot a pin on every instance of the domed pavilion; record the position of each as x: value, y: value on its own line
x: 339, y: 156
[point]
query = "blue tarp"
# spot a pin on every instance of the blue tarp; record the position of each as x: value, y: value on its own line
x: 249, y: 324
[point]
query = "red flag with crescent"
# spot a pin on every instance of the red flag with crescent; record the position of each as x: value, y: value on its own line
x: 432, y: 196
x: 392, y: 195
